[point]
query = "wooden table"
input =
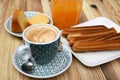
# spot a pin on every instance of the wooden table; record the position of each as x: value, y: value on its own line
x: 77, y: 71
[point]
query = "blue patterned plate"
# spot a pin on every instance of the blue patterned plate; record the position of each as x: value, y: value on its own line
x: 28, y: 15
x: 60, y: 64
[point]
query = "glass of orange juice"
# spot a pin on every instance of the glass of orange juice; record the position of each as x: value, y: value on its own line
x: 66, y: 13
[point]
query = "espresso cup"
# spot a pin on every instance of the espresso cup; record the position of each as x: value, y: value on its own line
x: 41, y: 42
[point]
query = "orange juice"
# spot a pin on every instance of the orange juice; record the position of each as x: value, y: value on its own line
x: 66, y: 13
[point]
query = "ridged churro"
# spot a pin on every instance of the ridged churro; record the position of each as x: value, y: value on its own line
x: 92, y: 34
x: 86, y: 46
x: 85, y: 29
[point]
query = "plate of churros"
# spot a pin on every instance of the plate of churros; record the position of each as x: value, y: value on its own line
x: 94, y: 42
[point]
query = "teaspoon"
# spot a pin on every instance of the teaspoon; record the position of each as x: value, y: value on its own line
x: 28, y: 67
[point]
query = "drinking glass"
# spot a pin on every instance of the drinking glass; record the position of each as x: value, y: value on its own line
x: 66, y: 13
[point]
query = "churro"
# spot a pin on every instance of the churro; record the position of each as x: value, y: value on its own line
x: 88, y: 46
x: 85, y: 29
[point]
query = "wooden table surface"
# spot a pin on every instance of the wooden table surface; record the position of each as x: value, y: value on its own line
x: 77, y: 71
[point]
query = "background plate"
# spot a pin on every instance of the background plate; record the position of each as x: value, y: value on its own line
x: 28, y: 15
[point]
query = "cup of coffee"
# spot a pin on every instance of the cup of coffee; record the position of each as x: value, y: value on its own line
x: 41, y: 42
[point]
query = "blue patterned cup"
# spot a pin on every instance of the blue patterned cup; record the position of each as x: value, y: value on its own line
x: 39, y: 52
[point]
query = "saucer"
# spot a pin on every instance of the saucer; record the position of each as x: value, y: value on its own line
x: 57, y: 66
x: 28, y: 15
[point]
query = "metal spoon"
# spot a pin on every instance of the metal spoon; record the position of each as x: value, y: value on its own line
x: 28, y: 66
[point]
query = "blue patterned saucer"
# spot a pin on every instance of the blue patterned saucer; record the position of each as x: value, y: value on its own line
x: 28, y: 15
x: 58, y: 65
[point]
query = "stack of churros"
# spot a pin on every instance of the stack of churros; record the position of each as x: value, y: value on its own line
x: 92, y: 38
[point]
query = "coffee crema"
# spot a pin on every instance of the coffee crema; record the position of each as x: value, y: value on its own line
x: 41, y: 34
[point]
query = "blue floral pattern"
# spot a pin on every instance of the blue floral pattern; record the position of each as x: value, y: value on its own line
x: 43, y: 54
